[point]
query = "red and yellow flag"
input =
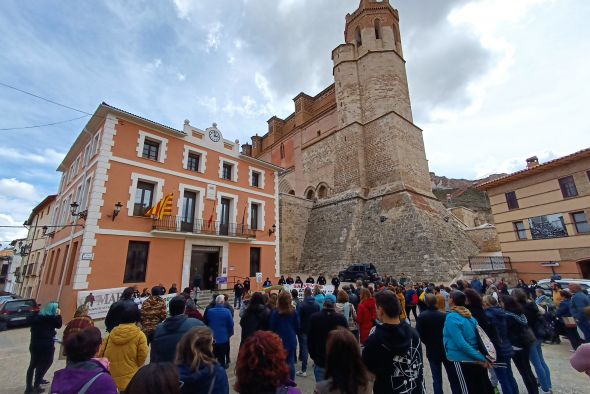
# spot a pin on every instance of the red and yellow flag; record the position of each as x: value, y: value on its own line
x: 162, y: 208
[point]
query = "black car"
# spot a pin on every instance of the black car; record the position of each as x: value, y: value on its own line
x: 17, y: 312
x: 359, y: 272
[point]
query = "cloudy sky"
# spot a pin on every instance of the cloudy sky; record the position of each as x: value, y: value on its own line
x: 492, y: 81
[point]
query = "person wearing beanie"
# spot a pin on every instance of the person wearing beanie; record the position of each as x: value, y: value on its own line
x: 170, y: 331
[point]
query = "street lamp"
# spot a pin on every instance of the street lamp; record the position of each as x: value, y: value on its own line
x: 74, y: 211
x: 272, y: 230
x: 44, y: 229
x: 118, y: 207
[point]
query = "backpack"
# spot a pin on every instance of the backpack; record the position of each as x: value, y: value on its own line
x: 415, y: 299
x: 485, y: 345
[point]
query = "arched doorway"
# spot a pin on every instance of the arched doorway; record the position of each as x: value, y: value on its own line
x: 585, y: 268
x: 310, y: 194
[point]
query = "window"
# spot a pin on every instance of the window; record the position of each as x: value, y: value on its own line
x: 95, y: 144
x: 192, y: 163
x: 520, y: 230
x: 49, y: 266
x: 143, y: 198
x: 357, y: 37
x: 309, y: 195
x: 254, y: 210
x: 568, y: 187
x: 511, y: 200
x: 227, y: 171
x: 550, y: 226
x: 580, y: 222
x: 588, y: 175
x: 255, y: 179
x: 377, y: 29
x: 151, y: 149
x: 282, y: 151
x: 136, y: 265
x: 254, y: 261
x: 322, y: 192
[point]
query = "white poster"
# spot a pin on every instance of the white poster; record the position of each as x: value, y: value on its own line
x: 301, y: 288
x: 211, y: 192
x: 99, y: 301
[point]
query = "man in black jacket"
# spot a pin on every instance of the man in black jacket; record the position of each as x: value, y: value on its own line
x: 393, y: 352
x: 238, y: 291
x: 305, y: 309
x: 335, y: 283
x: 320, y: 325
x: 124, y: 306
x: 321, y: 280
x: 430, y: 324
x: 170, y: 331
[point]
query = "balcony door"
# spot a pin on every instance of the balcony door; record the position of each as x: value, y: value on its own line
x: 224, y: 221
x: 189, y: 201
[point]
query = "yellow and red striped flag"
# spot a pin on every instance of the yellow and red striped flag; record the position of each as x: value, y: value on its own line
x: 162, y: 208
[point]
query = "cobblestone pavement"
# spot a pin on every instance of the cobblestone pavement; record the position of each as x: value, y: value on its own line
x: 14, y: 359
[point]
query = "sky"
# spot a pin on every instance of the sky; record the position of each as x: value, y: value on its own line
x: 492, y: 82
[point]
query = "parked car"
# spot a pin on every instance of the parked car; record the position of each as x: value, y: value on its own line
x: 17, y: 312
x: 359, y: 272
x: 545, y: 285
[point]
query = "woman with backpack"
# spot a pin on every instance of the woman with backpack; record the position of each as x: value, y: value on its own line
x: 522, y: 339
x: 347, y: 310
x: 411, y: 303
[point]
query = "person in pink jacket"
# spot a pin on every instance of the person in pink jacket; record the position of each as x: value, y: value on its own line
x: 580, y: 360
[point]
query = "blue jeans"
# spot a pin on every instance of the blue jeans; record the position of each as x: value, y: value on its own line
x: 584, y: 325
x: 291, y: 360
x: 238, y: 300
x: 505, y: 376
x: 542, y: 370
x: 303, y: 351
x: 436, y: 369
x: 319, y: 373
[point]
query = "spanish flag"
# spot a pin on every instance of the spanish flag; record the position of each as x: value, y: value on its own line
x: 162, y: 208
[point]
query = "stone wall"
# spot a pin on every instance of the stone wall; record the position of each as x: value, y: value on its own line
x: 293, y: 216
x: 485, y: 238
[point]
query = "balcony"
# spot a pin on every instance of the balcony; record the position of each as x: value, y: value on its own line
x: 177, y: 224
x: 489, y: 263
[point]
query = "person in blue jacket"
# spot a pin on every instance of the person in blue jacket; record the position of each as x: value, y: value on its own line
x: 284, y: 321
x: 221, y: 322
x: 578, y: 305
x: 319, y: 296
x: 460, y: 339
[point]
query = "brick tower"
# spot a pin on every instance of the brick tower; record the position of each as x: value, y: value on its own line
x: 382, y: 210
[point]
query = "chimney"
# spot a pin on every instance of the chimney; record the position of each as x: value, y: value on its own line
x: 532, y: 162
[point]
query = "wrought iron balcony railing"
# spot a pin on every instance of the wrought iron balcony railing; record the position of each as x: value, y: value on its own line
x: 489, y: 263
x: 182, y: 225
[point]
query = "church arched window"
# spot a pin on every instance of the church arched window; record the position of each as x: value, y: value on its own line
x: 357, y: 37
x: 282, y: 151
x: 377, y: 29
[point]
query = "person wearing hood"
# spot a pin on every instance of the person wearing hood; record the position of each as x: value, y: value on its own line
x: 170, y: 331
x: 460, y: 338
x: 305, y: 310
x: 503, y: 366
x: 255, y: 317
x: 319, y: 296
x: 522, y: 340
x: 83, y: 373
x: 123, y: 306
x: 320, y: 325
x: 430, y: 325
x: 198, y: 368
x: 221, y: 322
x: 153, y: 312
x: 126, y: 348
x: 366, y: 315
x: 393, y: 352
x: 42, y: 346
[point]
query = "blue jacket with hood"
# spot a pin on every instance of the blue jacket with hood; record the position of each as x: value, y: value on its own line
x: 460, y: 337
x: 199, y: 381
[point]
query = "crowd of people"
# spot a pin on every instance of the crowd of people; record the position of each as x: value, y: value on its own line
x: 360, y: 339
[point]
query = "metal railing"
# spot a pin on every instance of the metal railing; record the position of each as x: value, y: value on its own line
x: 181, y: 225
x: 489, y: 263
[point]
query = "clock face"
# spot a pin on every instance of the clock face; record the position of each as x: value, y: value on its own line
x: 214, y: 135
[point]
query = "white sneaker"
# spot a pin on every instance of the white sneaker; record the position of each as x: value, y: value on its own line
x: 302, y: 374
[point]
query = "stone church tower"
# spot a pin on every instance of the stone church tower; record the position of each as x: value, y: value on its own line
x: 380, y: 207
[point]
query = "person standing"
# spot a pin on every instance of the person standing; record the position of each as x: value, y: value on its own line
x: 345, y: 371
x: 267, y: 283
x: 567, y: 321
x: 170, y: 331
x: 173, y: 289
x: 289, y: 280
x: 477, y: 285
x: 42, y: 345
x: 321, y: 280
x: 430, y: 325
x: 126, y: 305
x: 461, y: 346
x: 310, y: 280
x: 153, y: 312
x: 393, y: 353
x: 335, y: 283
x: 155, y: 378
x: 578, y: 308
x: 298, y: 280
x: 246, y: 285
x: 347, y: 310
x: 83, y: 373
x: 320, y: 325
x: 255, y: 317
x: 305, y: 310
x: 282, y: 280
x: 319, y: 296
x: 81, y: 321
x: 197, y: 366
x: 238, y: 292
x: 366, y: 315
x: 126, y: 348
x: 411, y: 303
x: 221, y: 322
x: 441, y: 302
x: 284, y: 321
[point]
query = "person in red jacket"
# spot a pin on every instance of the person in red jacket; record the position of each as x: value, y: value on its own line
x: 366, y: 315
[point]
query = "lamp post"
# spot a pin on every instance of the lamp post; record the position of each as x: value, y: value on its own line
x: 117, y: 209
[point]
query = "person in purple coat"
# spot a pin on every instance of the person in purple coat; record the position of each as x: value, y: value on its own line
x: 83, y: 373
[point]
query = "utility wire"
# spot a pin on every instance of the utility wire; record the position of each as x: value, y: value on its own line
x: 44, y: 99
x: 43, y: 125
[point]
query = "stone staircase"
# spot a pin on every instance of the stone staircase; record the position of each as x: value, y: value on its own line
x: 205, y: 296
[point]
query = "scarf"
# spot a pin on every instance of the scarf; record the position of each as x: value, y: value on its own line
x: 462, y: 311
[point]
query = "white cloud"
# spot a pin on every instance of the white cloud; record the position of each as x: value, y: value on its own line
x: 46, y: 156
x: 154, y: 64
x: 213, y: 36
x: 183, y: 8
x: 180, y: 76
x: 210, y: 103
x: 231, y: 59
x: 17, y: 199
x: 248, y: 107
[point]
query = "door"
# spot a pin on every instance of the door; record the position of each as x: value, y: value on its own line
x: 585, y: 268
x: 224, y: 221
x: 187, y: 220
x: 204, y: 267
